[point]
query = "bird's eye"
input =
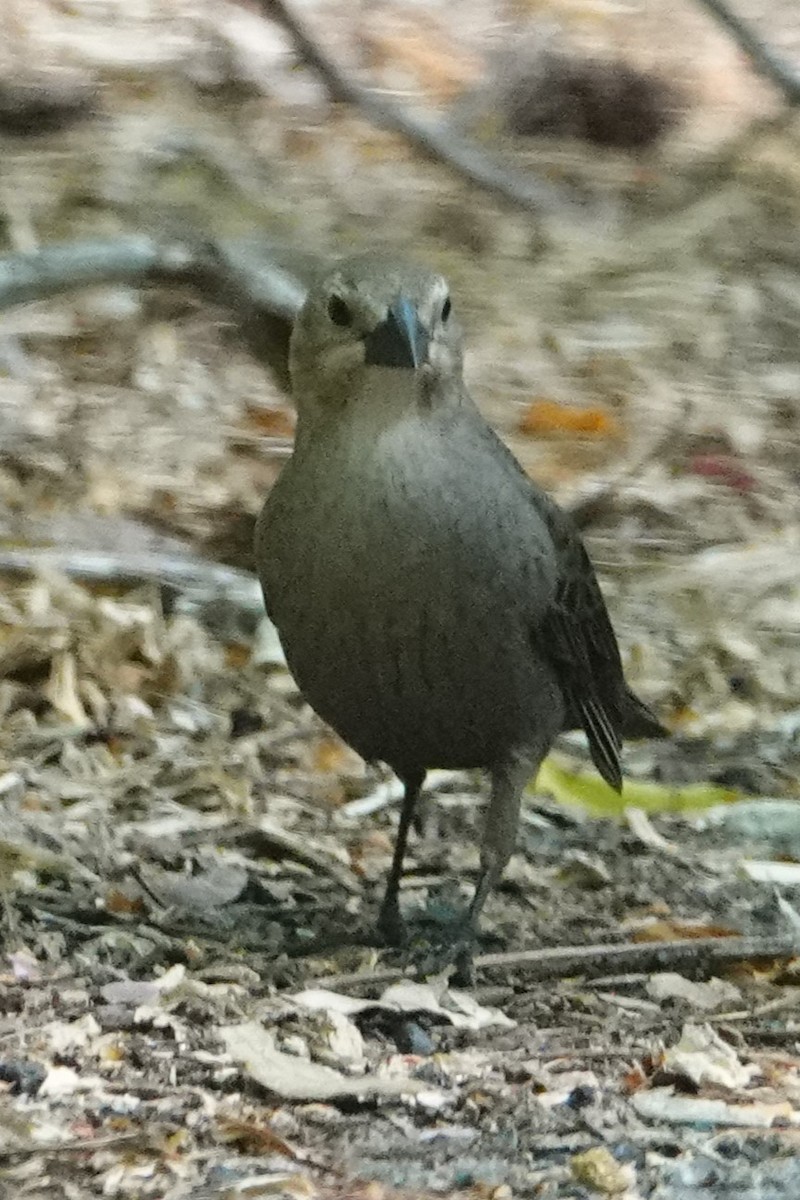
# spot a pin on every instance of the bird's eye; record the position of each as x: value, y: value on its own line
x: 338, y: 311
x: 446, y: 307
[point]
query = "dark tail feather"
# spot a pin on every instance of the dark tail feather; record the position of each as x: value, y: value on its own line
x: 638, y: 721
x: 604, y: 744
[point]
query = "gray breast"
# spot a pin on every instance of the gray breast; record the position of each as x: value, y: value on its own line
x: 406, y: 602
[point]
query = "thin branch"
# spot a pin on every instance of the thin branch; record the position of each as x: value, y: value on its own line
x: 123, y: 569
x: 243, y: 268
x: 762, y: 56
x: 246, y: 275
x: 205, y: 588
x: 702, y: 956
x: 432, y: 140
x: 40, y: 274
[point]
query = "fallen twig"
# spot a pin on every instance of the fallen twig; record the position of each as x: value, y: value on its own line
x: 53, y: 270
x: 704, y: 956
x: 762, y: 56
x: 390, y: 792
x: 302, y: 849
x: 244, y: 275
x: 432, y: 140
x: 209, y: 591
x: 212, y: 579
x: 79, y: 1146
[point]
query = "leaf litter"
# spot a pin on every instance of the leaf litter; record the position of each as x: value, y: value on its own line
x: 185, y: 851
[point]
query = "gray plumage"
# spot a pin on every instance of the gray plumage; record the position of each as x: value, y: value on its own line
x: 436, y: 608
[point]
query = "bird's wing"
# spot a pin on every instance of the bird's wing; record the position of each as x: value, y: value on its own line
x: 577, y: 637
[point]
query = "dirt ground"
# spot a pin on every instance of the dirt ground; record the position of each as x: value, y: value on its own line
x: 191, y: 1000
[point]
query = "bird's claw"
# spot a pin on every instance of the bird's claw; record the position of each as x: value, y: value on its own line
x: 451, y: 954
x: 391, y: 928
x: 454, y: 956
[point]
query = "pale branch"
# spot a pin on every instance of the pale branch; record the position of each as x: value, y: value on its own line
x: 207, y: 590
x: 769, y: 64
x: 40, y: 274
x: 256, y: 282
x: 431, y: 139
x: 697, y: 956
x: 178, y: 571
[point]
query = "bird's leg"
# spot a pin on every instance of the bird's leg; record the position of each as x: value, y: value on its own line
x: 420, y: 822
x: 497, y: 845
x: 391, y: 926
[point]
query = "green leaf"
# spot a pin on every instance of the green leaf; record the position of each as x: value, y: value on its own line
x: 593, y: 795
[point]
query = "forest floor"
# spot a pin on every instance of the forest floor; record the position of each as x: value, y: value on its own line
x: 191, y: 1003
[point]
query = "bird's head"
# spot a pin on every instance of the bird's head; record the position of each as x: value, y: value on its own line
x: 376, y: 332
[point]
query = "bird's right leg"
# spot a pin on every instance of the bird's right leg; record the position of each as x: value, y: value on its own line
x: 497, y: 845
x: 509, y: 778
x: 391, y: 927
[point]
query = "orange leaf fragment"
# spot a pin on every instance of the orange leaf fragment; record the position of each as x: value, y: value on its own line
x: 547, y: 418
x: 237, y: 656
x: 375, y: 845
x: 330, y: 755
x: 673, y: 929
x: 270, y: 420
x: 254, y: 1137
x: 118, y: 902
x: 633, y: 1079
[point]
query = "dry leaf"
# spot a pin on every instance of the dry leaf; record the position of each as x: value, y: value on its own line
x: 61, y: 689
x: 274, y: 421
x: 407, y: 996
x: 702, y: 1057
x: 715, y: 993
x: 675, y: 930
x: 253, y: 1137
x: 725, y: 469
x: 298, y: 1079
x: 599, y: 1170
x: 214, y: 888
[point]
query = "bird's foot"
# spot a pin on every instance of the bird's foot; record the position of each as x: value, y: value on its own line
x: 452, y: 955
x: 391, y: 928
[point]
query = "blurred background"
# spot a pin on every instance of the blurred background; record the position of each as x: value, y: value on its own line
x: 613, y: 189
x: 632, y: 328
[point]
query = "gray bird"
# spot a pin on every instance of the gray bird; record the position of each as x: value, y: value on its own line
x: 435, y: 607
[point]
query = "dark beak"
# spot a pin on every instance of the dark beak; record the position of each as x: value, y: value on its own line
x: 399, y: 341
